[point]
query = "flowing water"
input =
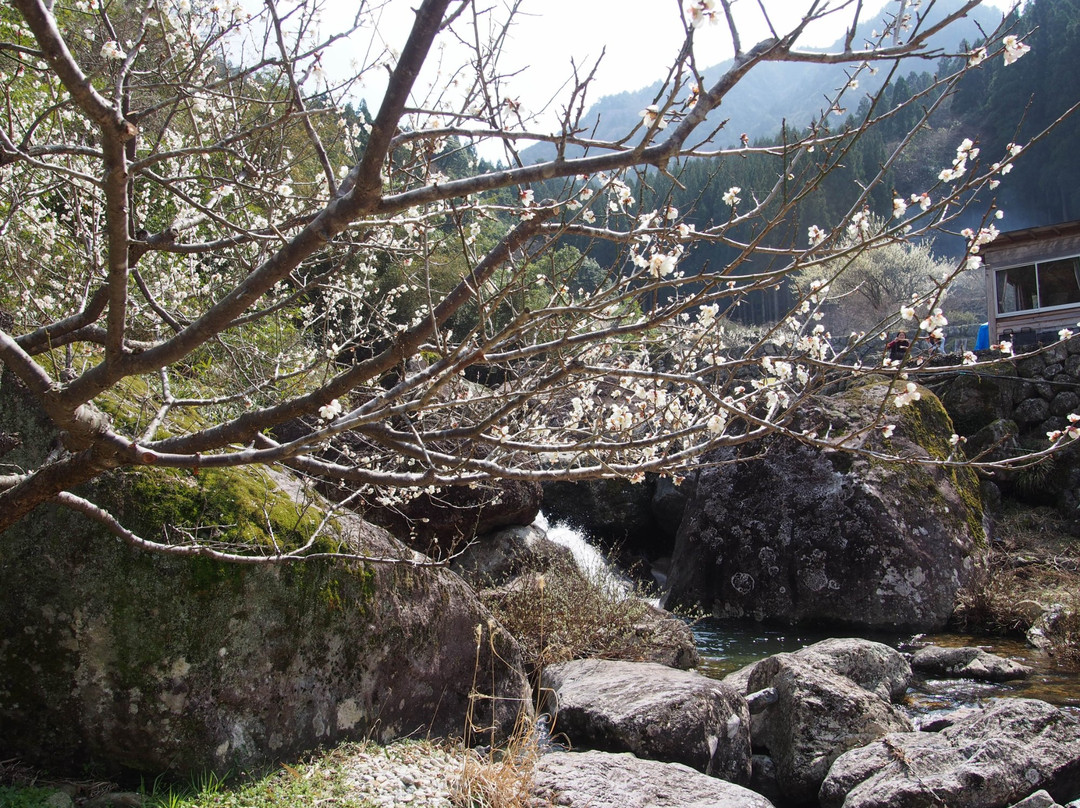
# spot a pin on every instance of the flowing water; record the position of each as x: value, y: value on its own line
x: 726, y: 646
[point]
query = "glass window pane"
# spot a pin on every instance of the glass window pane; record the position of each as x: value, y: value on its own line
x: 1059, y: 282
x: 1016, y: 289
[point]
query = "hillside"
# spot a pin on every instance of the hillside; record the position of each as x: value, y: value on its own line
x: 771, y: 93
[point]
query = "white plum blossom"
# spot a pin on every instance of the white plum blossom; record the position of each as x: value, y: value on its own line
x: 731, y: 196
x: 328, y: 412
x: 651, y: 115
x: 899, y: 207
x: 700, y: 11
x: 588, y: 216
x: 977, y: 57
x: 620, y: 418
x: 1005, y: 346
x: 933, y: 320
x: 922, y: 200
x: 112, y: 50
x: 707, y: 314
x: 1065, y: 333
x: 970, y: 358
x: 717, y: 422
x: 816, y: 235
x: 911, y: 393
x: 1014, y: 48
x: 662, y: 264
x: 887, y: 430
x: 907, y: 312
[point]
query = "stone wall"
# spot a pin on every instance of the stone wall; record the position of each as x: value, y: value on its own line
x: 1009, y: 408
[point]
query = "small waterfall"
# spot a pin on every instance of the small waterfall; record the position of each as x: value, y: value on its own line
x: 589, y: 560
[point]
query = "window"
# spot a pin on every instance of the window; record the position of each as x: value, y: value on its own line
x: 1038, y: 286
x: 1016, y: 289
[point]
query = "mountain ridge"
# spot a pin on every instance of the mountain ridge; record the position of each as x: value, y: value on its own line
x: 772, y: 92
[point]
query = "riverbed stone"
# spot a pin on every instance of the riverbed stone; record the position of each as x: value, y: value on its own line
x: 788, y: 533
x: 653, y: 711
x: 598, y: 779
x: 500, y: 556
x: 968, y: 663
x: 1040, y: 799
x: 1006, y: 752
x: 819, y: 714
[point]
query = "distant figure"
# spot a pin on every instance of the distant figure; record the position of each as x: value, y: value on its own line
x: 935, y: 345
x: 899, y: 347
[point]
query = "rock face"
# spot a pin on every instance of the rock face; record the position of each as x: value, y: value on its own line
x: 830, y: 697
x: 968, y: 663
x: 616, y: 513
x: 799, y: 536
x: 653, y: 711
x: 498, y: 557
x: 991, y: 760
x: 604, y: 780
x: 112, y: 657
x: 444, y: 522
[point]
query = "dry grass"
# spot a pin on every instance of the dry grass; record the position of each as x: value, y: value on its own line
x: 500, y: 778
x: 567, y: 614
x: 1034, y: 563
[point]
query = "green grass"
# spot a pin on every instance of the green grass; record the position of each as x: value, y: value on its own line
x: 33, y: 797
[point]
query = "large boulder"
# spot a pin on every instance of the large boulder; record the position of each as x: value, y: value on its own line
x: 116, y: 658
x: 967, y: 663
x: 788, y: 533
x: 827, y: 701
x: 605, y: 780
x: 992, y: 760
x: 653, y: 711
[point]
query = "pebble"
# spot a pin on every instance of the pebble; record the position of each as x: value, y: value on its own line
x: 417, y: 775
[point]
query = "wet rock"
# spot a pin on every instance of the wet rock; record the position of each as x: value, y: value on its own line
x: 605, y: 780
x: 652, y: 711
x: 968, y: 663
x: 1009, y: 750
x: 616, y: 513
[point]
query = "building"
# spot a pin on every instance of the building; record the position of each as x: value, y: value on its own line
x: 1033, y: 283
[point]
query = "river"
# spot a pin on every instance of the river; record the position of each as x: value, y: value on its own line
x: 726, y: 646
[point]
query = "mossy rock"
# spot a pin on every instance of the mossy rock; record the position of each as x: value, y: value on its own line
x: 115, y: 659
x: 787, y: 533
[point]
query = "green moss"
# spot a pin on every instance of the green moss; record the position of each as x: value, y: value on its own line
x: 241, y: 507
x: 927, y: 424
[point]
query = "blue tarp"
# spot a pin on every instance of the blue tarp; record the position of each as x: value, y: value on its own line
x: 982, y: 342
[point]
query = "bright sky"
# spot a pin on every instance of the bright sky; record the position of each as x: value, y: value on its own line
x: 639, y: 39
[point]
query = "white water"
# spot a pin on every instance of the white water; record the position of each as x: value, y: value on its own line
x: 588, y: 558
